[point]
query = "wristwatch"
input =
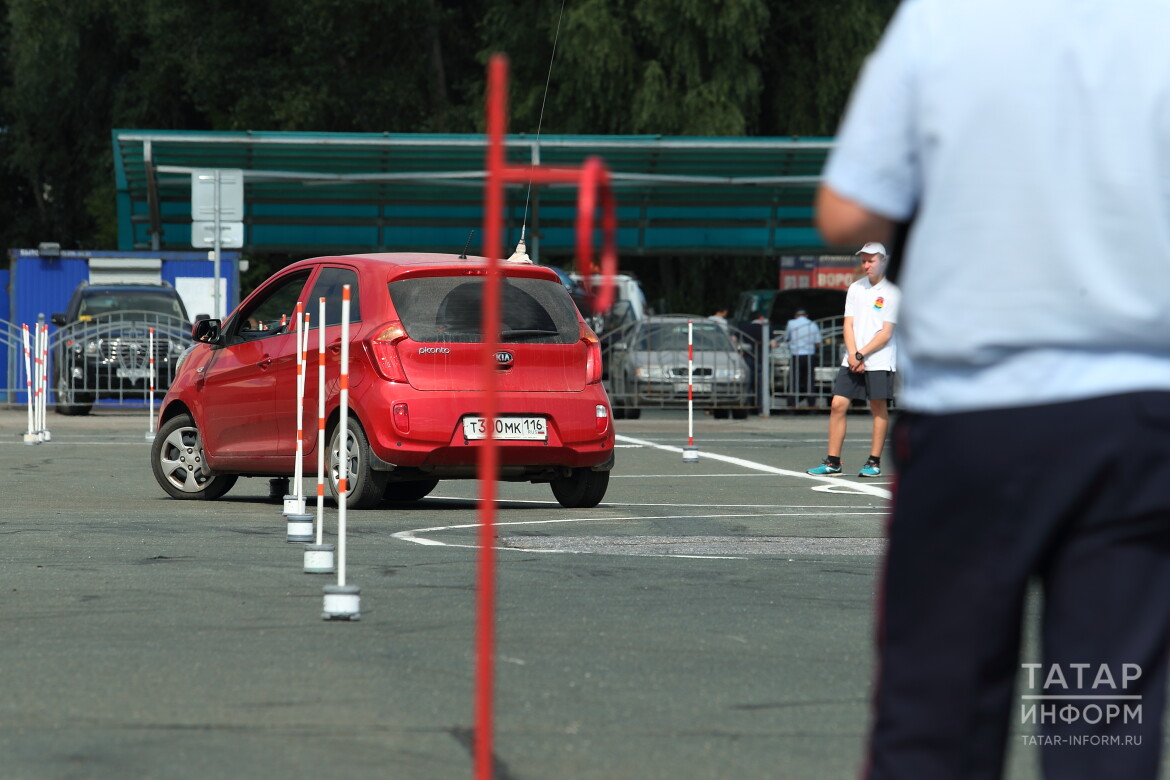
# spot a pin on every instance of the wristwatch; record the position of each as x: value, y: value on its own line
x: 860, y: 357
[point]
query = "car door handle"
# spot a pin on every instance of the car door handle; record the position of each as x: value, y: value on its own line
x: 335, y: 347
x: 265, y: 363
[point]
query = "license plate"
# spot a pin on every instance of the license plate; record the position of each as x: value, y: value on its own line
x: 700, y: 387
x: 133, y: 373
x: 507, y: 428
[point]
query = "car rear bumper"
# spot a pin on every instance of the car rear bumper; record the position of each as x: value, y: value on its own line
x: 576, y: 436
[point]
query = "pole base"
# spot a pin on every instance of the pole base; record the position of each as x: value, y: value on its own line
x: 690, y: 454
x: 342, y: 602
x: 319, y: 559
x: 300, y: 528
x: 150, y: 435
x: 32, y: 438
x: 294, y: 505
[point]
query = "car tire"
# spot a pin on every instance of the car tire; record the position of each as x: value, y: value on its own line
x: 633, y: 414
x: 364, y: 486
x: 719, y: 414
x: 70, y: 402
x: 582, y: 489
x: 402, y: 492
x: 176, y: 458
x: 739, y: 414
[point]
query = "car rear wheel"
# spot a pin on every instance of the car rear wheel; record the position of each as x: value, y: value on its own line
x: 582, y: 489
x: 364, y: 486
x: 176, y: 458
x: 69, y: 401
x: 397, y: 492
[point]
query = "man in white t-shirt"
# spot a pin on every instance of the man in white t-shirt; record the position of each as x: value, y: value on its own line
x: 867, y: 372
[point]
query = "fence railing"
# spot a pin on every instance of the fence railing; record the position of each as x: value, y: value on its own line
x: 104, y: 359
x: 789, y: 382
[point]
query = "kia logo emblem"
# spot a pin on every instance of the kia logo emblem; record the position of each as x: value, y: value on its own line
x: 504, y: 358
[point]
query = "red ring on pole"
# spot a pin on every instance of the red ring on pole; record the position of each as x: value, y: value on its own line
x: 595, y: 182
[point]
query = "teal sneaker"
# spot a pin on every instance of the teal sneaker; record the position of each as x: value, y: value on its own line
x: 870, y: 469
x: 826, y: 469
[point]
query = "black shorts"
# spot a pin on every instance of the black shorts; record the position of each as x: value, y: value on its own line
x: 864, y: 385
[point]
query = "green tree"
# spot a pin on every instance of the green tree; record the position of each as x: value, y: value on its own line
x: 671, y: 67
x: 815, y: 49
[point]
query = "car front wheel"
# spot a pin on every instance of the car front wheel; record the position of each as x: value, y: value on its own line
x: 582, y: 489
x: 176, y: 458
x: 364, y: 486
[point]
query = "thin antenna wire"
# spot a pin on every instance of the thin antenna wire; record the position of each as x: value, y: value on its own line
x: 540, y: 120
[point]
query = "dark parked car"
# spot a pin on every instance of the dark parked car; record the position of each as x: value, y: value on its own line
x: 415, y: 392
x: 103, y: 345
x: 779, y: 306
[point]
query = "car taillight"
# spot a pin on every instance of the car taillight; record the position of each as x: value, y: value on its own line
x: 593, y: 355
x: 384, y: 348
x: 401, y: 414
x: 601, y: 418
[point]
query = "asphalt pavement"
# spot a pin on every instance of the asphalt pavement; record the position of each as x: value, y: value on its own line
x: 709, y: 620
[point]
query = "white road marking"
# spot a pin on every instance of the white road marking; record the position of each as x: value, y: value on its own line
x: 414, y: 534
x: 828, y: 485
x: 849, y: 487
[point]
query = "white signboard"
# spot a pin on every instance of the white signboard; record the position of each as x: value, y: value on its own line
x: 231, y: 235
x: 231, y: 195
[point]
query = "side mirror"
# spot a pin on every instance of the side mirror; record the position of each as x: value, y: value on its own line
x: 199, y: 317
x: 58, y: 319
x: 206, y: 331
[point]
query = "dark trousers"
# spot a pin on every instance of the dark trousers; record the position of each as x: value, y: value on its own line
x: 801, y: 372
x: 1075, y: 497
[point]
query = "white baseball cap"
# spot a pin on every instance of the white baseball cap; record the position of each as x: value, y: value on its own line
x: 872, y: 248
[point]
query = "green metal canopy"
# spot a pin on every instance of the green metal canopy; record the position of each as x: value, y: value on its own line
x: 317, y: 193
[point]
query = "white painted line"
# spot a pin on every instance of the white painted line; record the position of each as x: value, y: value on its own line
x: 413, y: 535
x: 847, y: 487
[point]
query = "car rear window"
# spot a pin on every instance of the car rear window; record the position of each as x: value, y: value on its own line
x: 448, y: 309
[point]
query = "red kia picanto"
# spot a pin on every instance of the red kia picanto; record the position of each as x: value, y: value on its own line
x: 416, y: 401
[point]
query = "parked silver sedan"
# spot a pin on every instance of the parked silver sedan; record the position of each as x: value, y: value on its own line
x: 648, y: 368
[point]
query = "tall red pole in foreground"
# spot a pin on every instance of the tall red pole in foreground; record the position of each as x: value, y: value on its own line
x: 594, y: 192
x: 488, y: 457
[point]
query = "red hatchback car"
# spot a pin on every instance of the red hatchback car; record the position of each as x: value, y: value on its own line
x: 415, y: 369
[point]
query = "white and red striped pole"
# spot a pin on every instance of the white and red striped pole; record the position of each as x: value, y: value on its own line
x: 294, y: 500
x: 150, y: 381
x: 321, y: 421
x: 300, y: 525
x: 342, y: 601
x: 319, y: 556
x: 302, y: 337
x: 690, y: 452
x: 42, y: 346
x: 31, y: 436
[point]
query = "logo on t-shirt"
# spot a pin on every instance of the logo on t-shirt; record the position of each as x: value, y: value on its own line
x: 879, y: 303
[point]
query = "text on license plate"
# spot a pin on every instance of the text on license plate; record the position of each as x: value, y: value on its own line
x: 515, y: 428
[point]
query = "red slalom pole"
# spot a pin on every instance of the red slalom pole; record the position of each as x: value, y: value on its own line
x: 489, y: 457
x: 594, y: 193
